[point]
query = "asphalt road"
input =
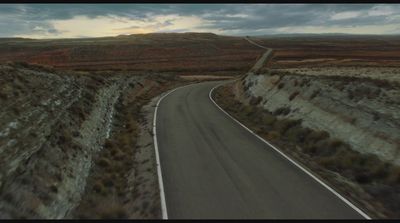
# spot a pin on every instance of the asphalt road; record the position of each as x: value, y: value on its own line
x: 264, y: 58
x: 214, y: 168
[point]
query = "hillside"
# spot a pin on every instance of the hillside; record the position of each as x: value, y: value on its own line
x: 69, y: 141
x: 186, y: 53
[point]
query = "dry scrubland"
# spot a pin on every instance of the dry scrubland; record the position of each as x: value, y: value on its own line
x: 69, y: 143
x: 333, y: 104
x: 336, y: 50
x: 189, y: 53
x: 75, y: 135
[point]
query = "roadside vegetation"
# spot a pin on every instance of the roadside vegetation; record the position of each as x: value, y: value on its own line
x: 69, y: 143
x: 109, y: 193
x: 331, y: 158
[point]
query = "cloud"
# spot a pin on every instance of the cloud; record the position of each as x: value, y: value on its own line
x: 93, y: 20
x: 114, y: 25
x: 345, y: 15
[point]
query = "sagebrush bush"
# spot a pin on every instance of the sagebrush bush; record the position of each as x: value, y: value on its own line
x: 282, y: 111
x: 255, y: 100
x: 114, y: 212
x: 394, y: 175
x: 315, y: 93
x: 297, y: 133
x: 273, y: 135
x: 282, y: 125
x: 99, y: 187
x: 269, y: 119
x: 108, y: 181
x: 104, y: 162
x: 247, y: 110
x: 315, y: 136
x: 108, y: 144
x: 293, y: 95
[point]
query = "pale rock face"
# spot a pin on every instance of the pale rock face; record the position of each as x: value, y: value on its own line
x: 32, y: 159
x: 370, y: 125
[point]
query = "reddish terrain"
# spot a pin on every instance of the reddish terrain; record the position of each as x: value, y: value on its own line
x: 187, y: 53
x: 348, y: 50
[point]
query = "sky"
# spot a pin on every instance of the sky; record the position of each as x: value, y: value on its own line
x: 97, y: 20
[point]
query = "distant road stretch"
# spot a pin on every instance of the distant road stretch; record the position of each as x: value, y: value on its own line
x: 264, y: 58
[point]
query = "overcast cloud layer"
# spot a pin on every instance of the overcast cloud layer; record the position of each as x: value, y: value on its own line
x: 95, y: 20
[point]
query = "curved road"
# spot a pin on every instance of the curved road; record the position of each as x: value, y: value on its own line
x: 214, y: 168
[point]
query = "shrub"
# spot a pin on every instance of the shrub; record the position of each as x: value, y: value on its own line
x: 108, y: 144
x: 362, y: 177
x: 303, y: 82
x: 108, y: 181
x: 119, y: 156
x: 297, y: 133
x: 114, y: 211
x: 269, y: 119
x: 3, y: 96
x: 281, y: 85
x: 352, y: 120
x: 53, y: 188
x: 76, y: 134
x: 255, y: 100
x: 9, y: 197
x: 376, y: 116
x: 315, y: 136
x: 311, y: 149
x: 64, y: 137
x: 377, y: 168
x: 350, y: 94
x: 394, y: 175
x: 78, y: 111
x: 247, y: 110
x: 99, y: 187
x: 293, y: 95
x: 327, y: 147
x: 104, y: 162
x: 282, y: 111
x: 115, y: 151
x: 315, y: 93
x: 345, y: 159
x: 284, y: 124
x: 335, y: 143
x: 273, y: 135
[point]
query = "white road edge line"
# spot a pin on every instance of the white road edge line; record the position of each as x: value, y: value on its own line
x: 160, y: 180
x: 288, y: 158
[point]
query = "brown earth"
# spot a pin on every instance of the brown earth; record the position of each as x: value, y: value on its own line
x: 343, y: 50
x: 187, y: 53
